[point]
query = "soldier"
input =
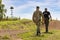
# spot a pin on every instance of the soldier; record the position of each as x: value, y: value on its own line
x: 47, y: 16
x: 37, y: 19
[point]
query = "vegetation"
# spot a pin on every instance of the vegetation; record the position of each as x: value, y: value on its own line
x: 2, y: 10
x: 30, y: 30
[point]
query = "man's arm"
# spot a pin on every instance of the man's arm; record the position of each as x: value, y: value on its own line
x: 42, y: 17
x: 33, y: 17
x: 50, y: 16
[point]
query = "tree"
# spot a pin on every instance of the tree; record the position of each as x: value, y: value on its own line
x: 0, y: 1
x: 2, y: 10
x: 11, y: 11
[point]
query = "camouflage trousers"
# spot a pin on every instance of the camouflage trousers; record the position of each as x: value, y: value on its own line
x: 38, y: 28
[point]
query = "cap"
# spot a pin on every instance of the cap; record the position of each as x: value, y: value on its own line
x: 37, y: 6
x: 45, y: 8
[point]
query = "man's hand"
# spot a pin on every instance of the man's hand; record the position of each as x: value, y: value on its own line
x: 50, y: 19
x: 42, y: 22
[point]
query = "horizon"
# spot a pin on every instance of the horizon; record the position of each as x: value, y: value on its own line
x: 25, y: 8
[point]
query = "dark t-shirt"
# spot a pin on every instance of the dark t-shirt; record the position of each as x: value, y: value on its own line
x: 46, y: 14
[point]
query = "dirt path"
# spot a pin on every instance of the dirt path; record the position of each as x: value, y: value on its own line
x: 12, y: 33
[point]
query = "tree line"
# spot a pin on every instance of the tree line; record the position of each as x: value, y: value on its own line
x: 3, y: 12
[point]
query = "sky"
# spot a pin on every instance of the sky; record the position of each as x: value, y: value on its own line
x: 25, y: 8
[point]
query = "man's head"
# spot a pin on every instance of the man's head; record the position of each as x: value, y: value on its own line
x: 37, y: 8
x: 45, y: 9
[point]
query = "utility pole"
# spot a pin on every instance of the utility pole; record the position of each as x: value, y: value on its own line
x: 11, y: 11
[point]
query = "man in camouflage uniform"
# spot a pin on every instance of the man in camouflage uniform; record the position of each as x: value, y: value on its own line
x: 37, y: 19
x: 47, y: 16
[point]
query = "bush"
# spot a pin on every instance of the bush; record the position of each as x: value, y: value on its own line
x: 10, y: 19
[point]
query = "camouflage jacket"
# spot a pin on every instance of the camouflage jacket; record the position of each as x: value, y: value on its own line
x: 37, y: 16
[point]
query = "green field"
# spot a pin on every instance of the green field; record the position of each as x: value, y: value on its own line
x: 29, y: 29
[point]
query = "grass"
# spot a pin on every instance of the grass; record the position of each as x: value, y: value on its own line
x: 14, y: 25
x: 30, y: 27
x: 53, y: 35
x: 5, y: 37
